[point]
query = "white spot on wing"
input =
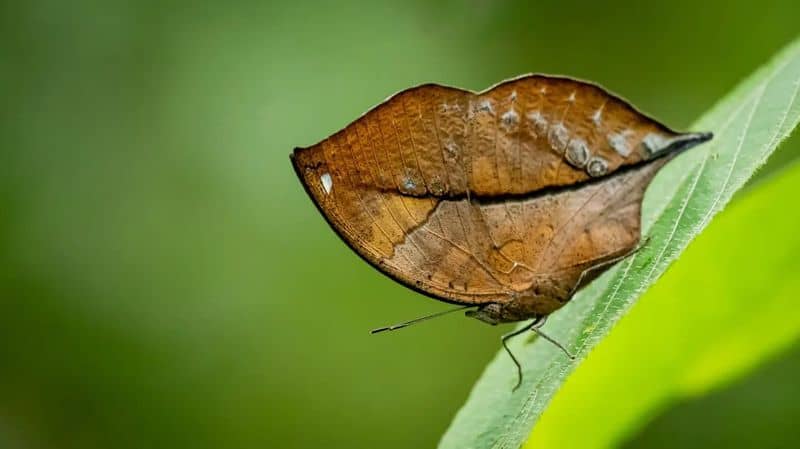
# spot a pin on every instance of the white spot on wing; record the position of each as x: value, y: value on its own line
x: 409, y: 185
x: 451, y: 148
x: 327, y: 182
x: 619, y: 142
x: 509, y: 119
x: 571, y: 97
x: 577, y: 153
x: 597, y: 166
x: 597, y: 117
x: 538, y: 120
x: 655, y: 143
x: 559, y: 136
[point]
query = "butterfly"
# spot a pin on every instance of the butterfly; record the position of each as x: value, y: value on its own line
x: 506, y: 201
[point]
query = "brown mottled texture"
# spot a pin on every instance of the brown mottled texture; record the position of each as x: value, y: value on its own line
x: 501, y: 198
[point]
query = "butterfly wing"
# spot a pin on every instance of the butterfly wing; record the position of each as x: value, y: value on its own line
x: 472, y: 198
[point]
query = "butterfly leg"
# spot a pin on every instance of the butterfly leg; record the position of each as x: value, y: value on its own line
x: 534, y: 326
x: 510, y: 335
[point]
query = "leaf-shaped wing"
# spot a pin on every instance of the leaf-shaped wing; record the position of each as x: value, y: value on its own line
x: 478, y: 197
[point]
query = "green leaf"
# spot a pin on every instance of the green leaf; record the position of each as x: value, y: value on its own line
x: 748, y: 125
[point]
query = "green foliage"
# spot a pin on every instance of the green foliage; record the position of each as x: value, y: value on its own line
x: 749, y: 124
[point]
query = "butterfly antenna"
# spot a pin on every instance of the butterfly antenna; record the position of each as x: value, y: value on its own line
x: 417, y: 320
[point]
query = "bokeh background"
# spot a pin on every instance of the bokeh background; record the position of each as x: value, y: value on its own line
x: 164, y: 279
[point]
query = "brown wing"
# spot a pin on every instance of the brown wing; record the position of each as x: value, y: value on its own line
x: 471, y: 198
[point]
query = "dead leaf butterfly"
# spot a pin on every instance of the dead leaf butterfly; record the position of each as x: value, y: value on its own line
x: 507, y: 201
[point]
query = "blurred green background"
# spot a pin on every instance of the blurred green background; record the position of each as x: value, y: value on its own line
x: 167, y: 283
